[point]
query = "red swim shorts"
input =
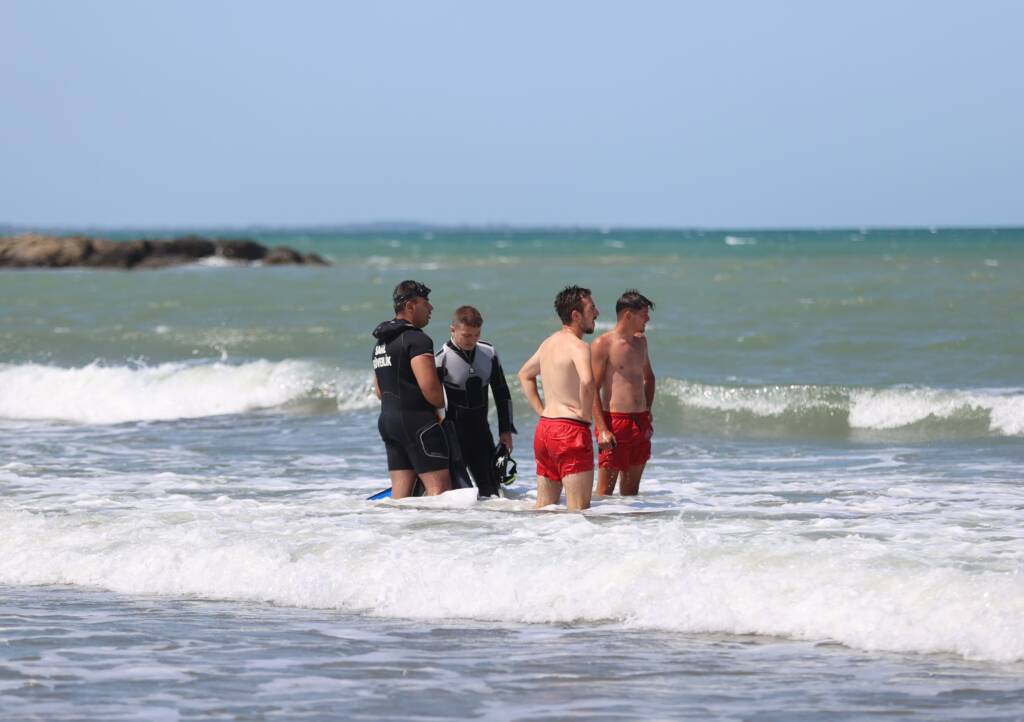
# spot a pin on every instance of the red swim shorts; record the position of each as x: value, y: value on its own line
x: 633, y: 434
x: 562, y: 447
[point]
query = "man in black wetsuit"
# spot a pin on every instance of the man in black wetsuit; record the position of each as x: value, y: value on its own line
x: 405, y: 379
x: 467, y: 366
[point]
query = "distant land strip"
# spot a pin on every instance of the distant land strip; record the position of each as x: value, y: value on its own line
x: 36, y: 250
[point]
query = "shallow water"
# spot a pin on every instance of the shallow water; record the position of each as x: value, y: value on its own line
x: 75, y: 654
x: 829, y: 527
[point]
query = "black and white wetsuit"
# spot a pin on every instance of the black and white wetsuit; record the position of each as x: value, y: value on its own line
x: 465, y: 377
x: 408, y: 423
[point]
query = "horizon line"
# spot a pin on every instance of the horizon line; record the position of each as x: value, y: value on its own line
x: 418, y: 226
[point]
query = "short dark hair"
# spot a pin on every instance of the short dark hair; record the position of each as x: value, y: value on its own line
x: 632, y: 300
x: 406, y: 291
x: 469, y: 316
x: 570, y: 299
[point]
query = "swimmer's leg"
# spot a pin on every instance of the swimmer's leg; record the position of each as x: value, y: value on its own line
x: 630, y: 484
x: 606, y: 481
x: 402, y: 482
x: 548, y: 492
x: 579, y: 489
x: 436, y: 482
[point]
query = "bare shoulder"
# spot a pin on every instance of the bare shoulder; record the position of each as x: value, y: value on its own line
x: 603, y: 341
x: 548, y: 342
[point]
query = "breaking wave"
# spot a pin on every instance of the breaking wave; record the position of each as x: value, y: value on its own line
x: 840, y: 410
x: 103, y: 394
x: 99, y: 394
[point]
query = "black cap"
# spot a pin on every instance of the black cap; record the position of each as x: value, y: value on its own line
x: 408, y: 290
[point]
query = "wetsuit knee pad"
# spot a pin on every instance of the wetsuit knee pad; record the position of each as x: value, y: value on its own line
x: 432, y: 444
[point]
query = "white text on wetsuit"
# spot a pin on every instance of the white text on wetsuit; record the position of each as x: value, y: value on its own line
x: 380, y: 357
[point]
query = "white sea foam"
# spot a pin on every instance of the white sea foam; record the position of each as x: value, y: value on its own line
x: 669, y: 574
x: 98, y: 394
x: 864, y: 408
x: 740, y: 241
x: 608, y: 325
x: 764, y: 401
x: 218, y: 262
x: 895, y: 408
x: 1007, y: 415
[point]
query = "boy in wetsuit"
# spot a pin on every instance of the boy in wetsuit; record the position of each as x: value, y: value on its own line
x: 405, y: 380
x: 467, y: 366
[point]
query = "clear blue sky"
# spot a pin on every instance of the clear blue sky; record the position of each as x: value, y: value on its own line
x: 723, y: 114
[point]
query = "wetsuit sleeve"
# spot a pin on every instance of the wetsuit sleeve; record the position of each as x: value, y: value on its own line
x: 442, y: 370
x: 502, y: 398
x: 418, y: 343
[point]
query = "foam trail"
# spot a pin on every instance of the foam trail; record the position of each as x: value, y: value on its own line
x: 97, y: 394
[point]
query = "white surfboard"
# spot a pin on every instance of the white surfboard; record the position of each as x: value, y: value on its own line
x: 454, y: 499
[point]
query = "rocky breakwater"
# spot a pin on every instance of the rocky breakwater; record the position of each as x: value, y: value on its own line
x: 34, y: 250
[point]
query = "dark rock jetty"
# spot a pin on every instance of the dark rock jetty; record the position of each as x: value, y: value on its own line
x: 34, y: 250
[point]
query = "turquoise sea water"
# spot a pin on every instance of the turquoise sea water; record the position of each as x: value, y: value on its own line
x: 832, y: 513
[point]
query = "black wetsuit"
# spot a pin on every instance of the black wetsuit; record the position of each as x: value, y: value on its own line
x: 466, y: 377
x: 408, y: 423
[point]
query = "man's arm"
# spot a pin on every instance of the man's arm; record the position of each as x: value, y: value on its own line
x: 376, y: 386
x: 648, y: 380
x: 581, y: 360
x: 425, y: 371
x: 528, y: 379
x: 599, y: 363
x: 503, y: 403
x: 442, y: 373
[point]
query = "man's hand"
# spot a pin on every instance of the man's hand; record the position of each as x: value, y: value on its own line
x: 606, y: 440
x: 506, y: 439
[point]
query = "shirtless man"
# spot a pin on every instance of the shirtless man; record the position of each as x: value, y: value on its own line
x: 625, y: 392
x: 562, y: 445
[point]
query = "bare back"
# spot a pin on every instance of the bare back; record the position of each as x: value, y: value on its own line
x: 563, y: 363
x: 624, y: 371
x: 560, y: 355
